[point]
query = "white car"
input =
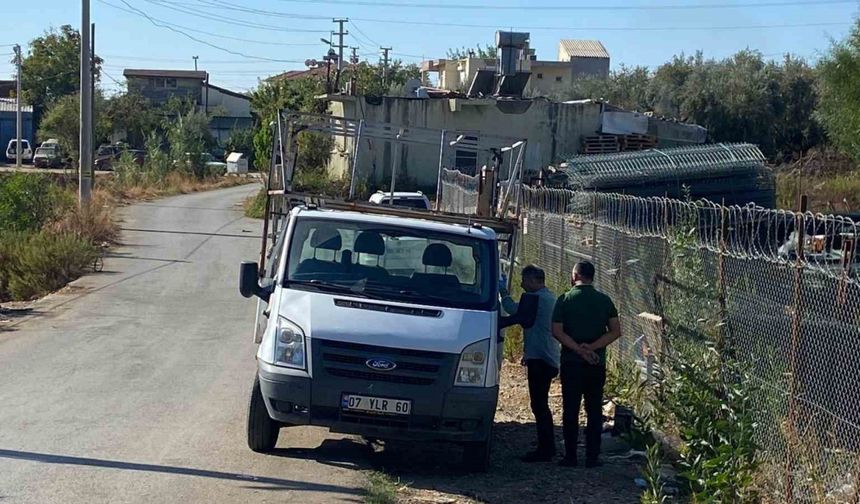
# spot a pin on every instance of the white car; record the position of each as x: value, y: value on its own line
x: 26, y: 151
x: 401, y: 199
x: 380, y: 326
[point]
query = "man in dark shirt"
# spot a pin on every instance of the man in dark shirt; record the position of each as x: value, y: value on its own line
x: 585, y: 321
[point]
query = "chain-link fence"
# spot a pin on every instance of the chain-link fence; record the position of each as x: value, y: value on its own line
x: 778, y: 292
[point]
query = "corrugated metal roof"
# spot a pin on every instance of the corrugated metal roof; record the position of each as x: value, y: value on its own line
x: 584, y: 48
x: 8, y: 105
x: 178, y: 74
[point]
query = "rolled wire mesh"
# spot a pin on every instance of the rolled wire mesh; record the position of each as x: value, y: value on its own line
x: 459, y: 192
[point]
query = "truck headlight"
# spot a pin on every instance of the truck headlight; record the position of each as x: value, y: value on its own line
x: 472, y: 371
x: 289, y: 345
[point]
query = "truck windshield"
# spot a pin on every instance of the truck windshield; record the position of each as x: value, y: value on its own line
x: 392, y: 262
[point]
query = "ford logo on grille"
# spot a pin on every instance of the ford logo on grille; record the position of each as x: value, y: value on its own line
x: 380, y: 364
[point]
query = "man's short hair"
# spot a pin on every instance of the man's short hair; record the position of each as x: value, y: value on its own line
x: 532, y: 271
x: 584, y: 269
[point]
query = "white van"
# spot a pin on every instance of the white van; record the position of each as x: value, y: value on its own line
x: 379, y: 325
x: 26, y: 151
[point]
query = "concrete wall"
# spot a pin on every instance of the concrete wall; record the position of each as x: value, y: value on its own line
x: 553, y: 131
x: 234, y: 106
x: 590, y: 67
x: 544, y: 79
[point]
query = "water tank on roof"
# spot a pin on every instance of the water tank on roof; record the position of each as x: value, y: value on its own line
x: 511, y: 45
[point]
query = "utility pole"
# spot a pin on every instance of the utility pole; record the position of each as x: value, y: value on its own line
x: 195, y: 62
x: 18, y: 121
x: 93, y: 89
x: 86, y: 141
x: 340, y: 33
x: 384, y: 64
x: 353, y: 60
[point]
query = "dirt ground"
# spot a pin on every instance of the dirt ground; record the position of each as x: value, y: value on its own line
x: 432, y: 475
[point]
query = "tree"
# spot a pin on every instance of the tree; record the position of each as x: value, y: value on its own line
x: 62, y: 121
x: 369, y: 79
x: 131, y: 114
x: 839, y: 94
x: 739, y: 99
x: 52, y: 67
x: 272, y: 96
x: 485, y: 52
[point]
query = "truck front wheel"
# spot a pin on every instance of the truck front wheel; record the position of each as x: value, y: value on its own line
x: 262, y: 430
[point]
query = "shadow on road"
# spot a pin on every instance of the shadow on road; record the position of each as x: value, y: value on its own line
x: 259, y: 481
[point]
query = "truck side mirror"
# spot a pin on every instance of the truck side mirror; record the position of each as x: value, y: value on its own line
x: 249, y: 284
x: 526, y: 313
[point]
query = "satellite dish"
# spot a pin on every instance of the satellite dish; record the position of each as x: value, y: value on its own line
x: 411, y: 87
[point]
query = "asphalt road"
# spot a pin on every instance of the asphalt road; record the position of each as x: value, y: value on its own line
x: 132, y: 386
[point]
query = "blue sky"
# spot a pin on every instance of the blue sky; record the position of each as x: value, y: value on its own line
x: 282, y: 34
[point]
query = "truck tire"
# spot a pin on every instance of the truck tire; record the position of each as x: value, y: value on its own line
x: 476, y: 455
x: 262, y: 430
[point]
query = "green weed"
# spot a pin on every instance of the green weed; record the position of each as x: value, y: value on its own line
x: 380, y: 489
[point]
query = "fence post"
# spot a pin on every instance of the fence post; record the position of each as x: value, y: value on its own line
x: 796, y: 330
x: 594, y: 229
x: 724, y: 227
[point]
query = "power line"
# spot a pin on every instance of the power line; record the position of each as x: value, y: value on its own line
x: 179, y: 60
x: 192, y: 37
x: 592, y: 7
x: 211, y: 34
x: 364, y: 35
x: 233, y: 22
x: 396, y: 20
x: 609, y: 28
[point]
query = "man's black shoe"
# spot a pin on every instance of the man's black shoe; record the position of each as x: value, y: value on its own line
x: 567, y: 462
x: 593, y: 463
x: 537, y: 456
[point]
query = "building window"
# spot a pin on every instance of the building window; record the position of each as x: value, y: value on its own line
x: 540, y: 75
x: 558, y: 79
x: 466, y: 161
x: 170, y: 82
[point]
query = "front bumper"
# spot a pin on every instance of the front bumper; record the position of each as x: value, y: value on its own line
x: 456, y: 414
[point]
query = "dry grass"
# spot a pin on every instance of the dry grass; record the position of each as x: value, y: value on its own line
x: 173, y: 184
x: 93, y: 222
x: 837, y: 193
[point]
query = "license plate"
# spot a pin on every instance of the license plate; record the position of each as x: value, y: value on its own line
x: 382, y: 405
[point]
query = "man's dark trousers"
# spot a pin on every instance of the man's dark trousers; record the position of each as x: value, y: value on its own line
x: 578, y: 381
x: 540, y: 375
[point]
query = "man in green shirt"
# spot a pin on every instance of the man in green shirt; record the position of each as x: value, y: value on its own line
x: 585, y: 321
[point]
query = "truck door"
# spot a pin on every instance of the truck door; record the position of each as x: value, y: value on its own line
x: 273, y: 258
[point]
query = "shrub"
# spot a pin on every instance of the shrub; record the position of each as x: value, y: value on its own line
x: 36, y: 263
x: 255, y: 206
x: 28, y: 201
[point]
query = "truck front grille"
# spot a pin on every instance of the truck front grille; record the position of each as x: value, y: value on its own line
x: 413, y: 367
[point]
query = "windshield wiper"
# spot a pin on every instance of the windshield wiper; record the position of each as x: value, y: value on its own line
x: 413, y: 294
x: 333, y: 287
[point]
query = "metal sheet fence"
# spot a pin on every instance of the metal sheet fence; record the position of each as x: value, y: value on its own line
x: 791, y: 320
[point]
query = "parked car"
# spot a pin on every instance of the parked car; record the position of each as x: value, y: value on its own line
x: 12, y: 152
x: 107, y: 154
x: 48, y: 157
x: 213, y: 166
x: 415, y: 200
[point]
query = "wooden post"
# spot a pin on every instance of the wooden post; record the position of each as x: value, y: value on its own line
x: 796, y: 331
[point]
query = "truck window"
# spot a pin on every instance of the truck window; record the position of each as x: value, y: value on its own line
x: 392, y: 262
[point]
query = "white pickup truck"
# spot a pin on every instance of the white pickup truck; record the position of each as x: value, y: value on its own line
x: 381, y: 326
